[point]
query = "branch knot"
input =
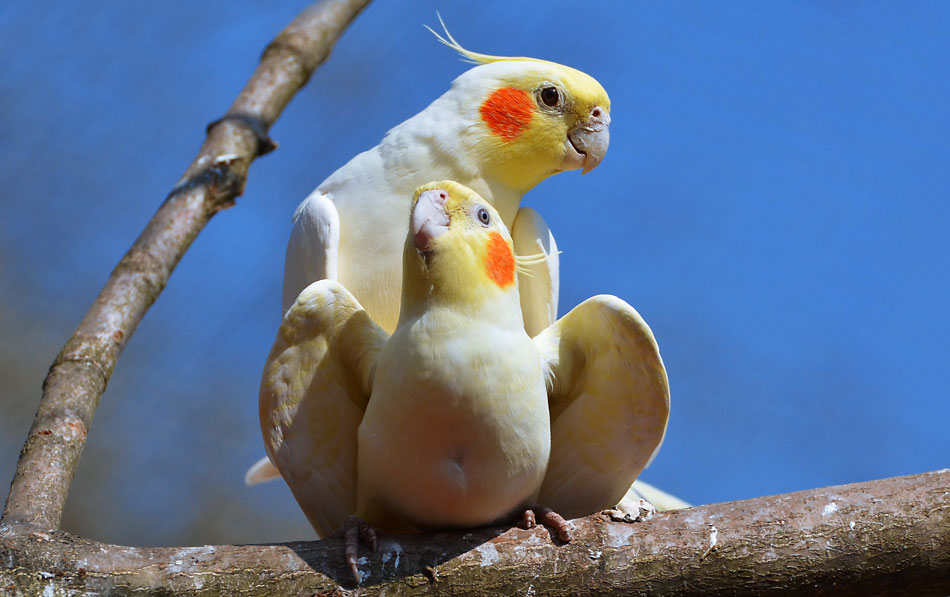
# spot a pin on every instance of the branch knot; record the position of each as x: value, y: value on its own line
x: 252, y: 123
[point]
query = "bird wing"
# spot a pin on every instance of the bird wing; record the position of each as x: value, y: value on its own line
x: 314, y: 390
x: 313, y: 247
x: 609, y: 401
x: 537, y: 281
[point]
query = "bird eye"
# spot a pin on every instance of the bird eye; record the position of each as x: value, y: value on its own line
x: 550, y: 96
x: 483, y: 216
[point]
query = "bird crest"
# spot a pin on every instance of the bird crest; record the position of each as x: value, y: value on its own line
x: 468, y: 55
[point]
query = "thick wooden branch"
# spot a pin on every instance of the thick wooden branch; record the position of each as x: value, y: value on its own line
x: 78, y: 376
x: 880, y: 537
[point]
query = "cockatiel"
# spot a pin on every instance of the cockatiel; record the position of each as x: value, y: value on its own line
x: 460, y: 418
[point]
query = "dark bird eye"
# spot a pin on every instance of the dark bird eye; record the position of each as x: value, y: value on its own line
x: 550, y: 97
x: 483, y: 216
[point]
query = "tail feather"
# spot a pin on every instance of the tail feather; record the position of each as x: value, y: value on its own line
x: 260, y: 472
x: 660, y: 499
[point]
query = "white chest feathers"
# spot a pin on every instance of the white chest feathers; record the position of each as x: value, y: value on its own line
x: 458, y: 432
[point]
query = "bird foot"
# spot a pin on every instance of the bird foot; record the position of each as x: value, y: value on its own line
x: 548, y: 518
x: 355, y: 530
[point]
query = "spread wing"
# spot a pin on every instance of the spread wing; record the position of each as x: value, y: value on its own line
x: 316, y: 383
x: 538, y: 282
x: 609, y: 402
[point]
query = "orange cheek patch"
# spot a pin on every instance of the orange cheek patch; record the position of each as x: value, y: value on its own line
x: 507, y: 112
x: 500, y: 263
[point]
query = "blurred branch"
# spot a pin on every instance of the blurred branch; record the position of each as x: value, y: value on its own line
x: 78, y: 376
x: 880, y: 537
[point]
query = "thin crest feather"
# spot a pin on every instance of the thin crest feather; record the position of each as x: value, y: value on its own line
x: 467, y: 55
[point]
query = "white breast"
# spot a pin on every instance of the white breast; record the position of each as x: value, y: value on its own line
x: 457, y: 430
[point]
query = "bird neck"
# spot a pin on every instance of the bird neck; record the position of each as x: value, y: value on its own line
x: 505, y: 200
x: 458, y: 284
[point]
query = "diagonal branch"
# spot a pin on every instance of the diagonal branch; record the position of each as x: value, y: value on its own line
x: 880, y: 537
x: 79, y: 374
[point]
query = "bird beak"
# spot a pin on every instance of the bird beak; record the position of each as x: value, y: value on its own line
x: 587, y: 141
x: 429, y: 218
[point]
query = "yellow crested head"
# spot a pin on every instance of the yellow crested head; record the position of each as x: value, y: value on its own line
x: 534, y: 117
x: 458, y: 249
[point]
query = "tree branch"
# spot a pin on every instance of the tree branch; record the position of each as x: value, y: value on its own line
x: 880, y: 537
x: 79, y: 374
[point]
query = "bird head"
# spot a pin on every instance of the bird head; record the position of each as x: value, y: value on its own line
x: 531, y: 118
x: 458, y: 250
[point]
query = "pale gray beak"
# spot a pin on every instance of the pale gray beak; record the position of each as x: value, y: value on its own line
x: 429, y: 219
x: 590, y: 138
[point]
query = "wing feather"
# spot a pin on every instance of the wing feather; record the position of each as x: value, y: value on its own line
x: 313, y: 247
x: 314, y: 390
x: 609, y: 400
x: 538, y: 281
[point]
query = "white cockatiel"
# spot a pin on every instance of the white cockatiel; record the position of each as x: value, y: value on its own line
x: 460, y: 418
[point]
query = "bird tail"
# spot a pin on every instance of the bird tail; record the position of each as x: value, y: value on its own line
x: 260, y: 472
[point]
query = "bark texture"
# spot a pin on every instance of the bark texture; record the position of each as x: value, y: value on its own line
x: 78, y: 376
x: 880, y: 537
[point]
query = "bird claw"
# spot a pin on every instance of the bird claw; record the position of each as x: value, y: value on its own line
x: 549, y: 518
x: 527, y: 519
x: 355, y: 530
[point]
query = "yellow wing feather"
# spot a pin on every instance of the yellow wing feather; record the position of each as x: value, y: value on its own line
x: 314, y: 390
x: 609, y: 400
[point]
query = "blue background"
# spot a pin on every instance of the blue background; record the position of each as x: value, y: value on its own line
x: 774, y: 202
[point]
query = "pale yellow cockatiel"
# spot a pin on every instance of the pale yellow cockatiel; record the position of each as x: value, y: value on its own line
x: 460, y: 418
